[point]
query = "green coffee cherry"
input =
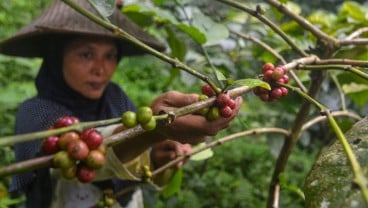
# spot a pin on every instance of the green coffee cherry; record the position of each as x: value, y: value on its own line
x: 129, y: 119
x: 144, y: 114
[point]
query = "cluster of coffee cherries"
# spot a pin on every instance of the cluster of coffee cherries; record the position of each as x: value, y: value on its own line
x: 77, y: 155
x: 273, y: 76
x: 143, y: 116
x: 224, y: 104
x: 107, y: 199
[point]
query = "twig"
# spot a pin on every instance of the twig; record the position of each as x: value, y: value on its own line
x: 357, y: 33
x: 348, y: 68
x: 357, y: 41
x: 219, y: 142
x: 323, y: 118
x: 331, y: 42
x: 266, y: 21
x: 343, y: 61
x: 114, y: 139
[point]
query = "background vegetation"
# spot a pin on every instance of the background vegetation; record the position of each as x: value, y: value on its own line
x: 239, y: 173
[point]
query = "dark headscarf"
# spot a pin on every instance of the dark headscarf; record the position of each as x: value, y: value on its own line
x: 54, y: 100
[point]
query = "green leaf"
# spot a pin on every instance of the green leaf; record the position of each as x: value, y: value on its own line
x: 354, y: 87
x: 178, y: 47
x: 203, y: 155
x: 353, y: 10
x: 174, y: 185
x: 357, y: 92
x: 213, y: 31
x: 193, y: 32
x: 252, y: 83
x: 220, y: 75
x: 104, y: 7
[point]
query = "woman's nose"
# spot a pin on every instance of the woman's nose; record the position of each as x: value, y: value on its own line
x: 98, y: 68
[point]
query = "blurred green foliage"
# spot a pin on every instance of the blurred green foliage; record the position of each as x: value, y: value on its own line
x: 239, y: 173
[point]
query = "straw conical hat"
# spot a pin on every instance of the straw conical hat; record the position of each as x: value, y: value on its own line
x: 59, y: 19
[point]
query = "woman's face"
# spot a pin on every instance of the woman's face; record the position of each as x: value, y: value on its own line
x: 88, y: 65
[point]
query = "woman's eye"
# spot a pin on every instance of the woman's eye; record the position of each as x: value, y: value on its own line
x: 112, y: 56
x: 86, y: 55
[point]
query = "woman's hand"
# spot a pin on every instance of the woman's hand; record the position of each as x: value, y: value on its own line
x: 189, y: 128
x: 168, y: 150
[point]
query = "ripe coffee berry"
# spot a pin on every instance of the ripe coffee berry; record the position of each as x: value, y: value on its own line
x: 50, y: 145
x: 273, y: 76
x: 207, y: 90
x: 65, y: 121
x: 222, y: 99
x: 85, y: 174
x: 226, y: 111
x: 78, y: 150
x: 67, y: 138
x: 93, y: 140
x: 95, y: 159
x: 267, y: 67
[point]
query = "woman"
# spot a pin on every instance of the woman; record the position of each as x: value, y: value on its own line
x: 79, y: 58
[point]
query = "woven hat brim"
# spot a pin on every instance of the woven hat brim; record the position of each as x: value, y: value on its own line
x: 59, y: 20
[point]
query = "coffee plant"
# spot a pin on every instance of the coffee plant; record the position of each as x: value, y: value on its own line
x: 302, y: 75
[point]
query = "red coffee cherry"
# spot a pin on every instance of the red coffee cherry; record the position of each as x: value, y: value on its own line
x: 95, y: 159
x: 226, y: 112
x: 231, y: 103
x: 276, y: 93
x: 267, y: 67
x: 50, y: 145
x: 207, y: 90
x: 93, y: 139
x: 65, y: 121
x: 284, y: 91
x: 277, y: 73
x: 66, y: 138
x: 85, y: 174
x: 78, y: 150
x: 222, y: 99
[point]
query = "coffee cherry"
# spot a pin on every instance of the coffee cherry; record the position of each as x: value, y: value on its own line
x: 69, y: 173
x: 267, y: 67
x: 63, y: 160
x: 150, y: 125
x: 207, y: 90
x: 65, y: 121
x: 264, y: 97
x: 93, y: 140
x: 85, y: 133
x: 284, y: 91
x: 222, y: 99
x: 202, y: 97
x: 226, y: 112
x: 95, y: 159
x: 267, y: 76
x: 129, y: 119
x: 144, y: 114
x: 78, y: 150
x: 67, y: 138
x: 213, y: 113
x: 110, y: 201
x: 102, y: 148
x: 50, y: 145
x: 277, y: 73
x: 276, y: 93
x: 231, y: 103
x: 85, y: 174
